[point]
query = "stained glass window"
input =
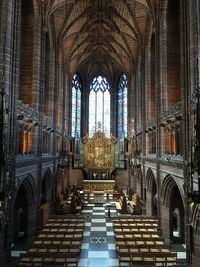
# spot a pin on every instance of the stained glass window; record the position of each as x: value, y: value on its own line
x: 122, y: 106
x: 99, y: 106
x: 76, y: 106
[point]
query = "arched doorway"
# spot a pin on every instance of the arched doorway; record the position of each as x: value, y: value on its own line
x: 154, y: 198
x: 176, y: 217
x: 46, y: 188
x: 151, y: 193
x: 24, y: 216
x: 173, y: 211
x: 20, y: 216
x: 46, y: 191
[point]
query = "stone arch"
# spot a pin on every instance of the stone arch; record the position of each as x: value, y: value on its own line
x: 151, y: 193
x: 25, y: 210
x: 46, y: 187
x: 173, y: 209
x: 30, y: 187
x: 168, y: 186
x: 150, y: 178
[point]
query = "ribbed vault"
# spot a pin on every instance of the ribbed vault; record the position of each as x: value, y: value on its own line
x: 100, y: 36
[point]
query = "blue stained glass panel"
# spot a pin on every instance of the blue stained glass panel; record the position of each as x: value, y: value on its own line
x: 76, y: 106
x: 122, y: 106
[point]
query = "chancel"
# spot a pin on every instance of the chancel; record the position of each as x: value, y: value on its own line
x: 99, y: 133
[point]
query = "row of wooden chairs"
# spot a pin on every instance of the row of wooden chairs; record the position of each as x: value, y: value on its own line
x: 62, y: 219
x: 64, y: 225
x: 136, y: 225
x: 137, y: 235
x: 136, y: 218
x: 61, y: 234
x: 58, y: 241
x: 161, y: 259
x: 61, y: 230
x: 132, y: 229
x: 52, y: 248
x: 144, y: 248
x: 38, y: 258
x: 55, y: 245
x: 139, y: 242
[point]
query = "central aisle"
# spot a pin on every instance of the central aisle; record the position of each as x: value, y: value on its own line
x: 98, y: 245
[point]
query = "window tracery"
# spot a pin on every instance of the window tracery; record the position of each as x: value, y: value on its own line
x: 122, y: 106
x: 76, y: 106
x: 99, y: 106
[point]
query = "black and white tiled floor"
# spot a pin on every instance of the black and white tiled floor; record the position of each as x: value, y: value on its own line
x: 98, y: 245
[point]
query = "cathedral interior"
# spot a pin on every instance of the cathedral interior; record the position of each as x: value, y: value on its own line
x: 99, y: 133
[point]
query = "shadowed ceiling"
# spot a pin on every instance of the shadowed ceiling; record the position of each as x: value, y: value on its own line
x: 101, y: 36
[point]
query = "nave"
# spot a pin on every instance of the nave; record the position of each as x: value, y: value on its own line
x: 100, y: 236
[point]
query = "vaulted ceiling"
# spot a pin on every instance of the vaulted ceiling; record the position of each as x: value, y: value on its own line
x: 100, y: 36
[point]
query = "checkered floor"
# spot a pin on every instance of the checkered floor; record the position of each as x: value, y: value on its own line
x: 98, y: 245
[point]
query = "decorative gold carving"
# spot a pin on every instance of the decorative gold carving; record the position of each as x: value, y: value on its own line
x: 99, y: 152
x: 99, y: 186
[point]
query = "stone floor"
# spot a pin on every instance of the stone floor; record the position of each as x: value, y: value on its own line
x: 98, y: 246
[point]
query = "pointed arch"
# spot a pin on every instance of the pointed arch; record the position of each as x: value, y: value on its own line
x: 169, y: 185
x: 150, y: 179
x: 46, y: 187
x: 49, y: 176
x: 24, y: 210
x: 30, y: 189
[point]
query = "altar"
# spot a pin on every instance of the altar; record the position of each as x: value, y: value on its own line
x: 99, y: 161
x: 99, y: 185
